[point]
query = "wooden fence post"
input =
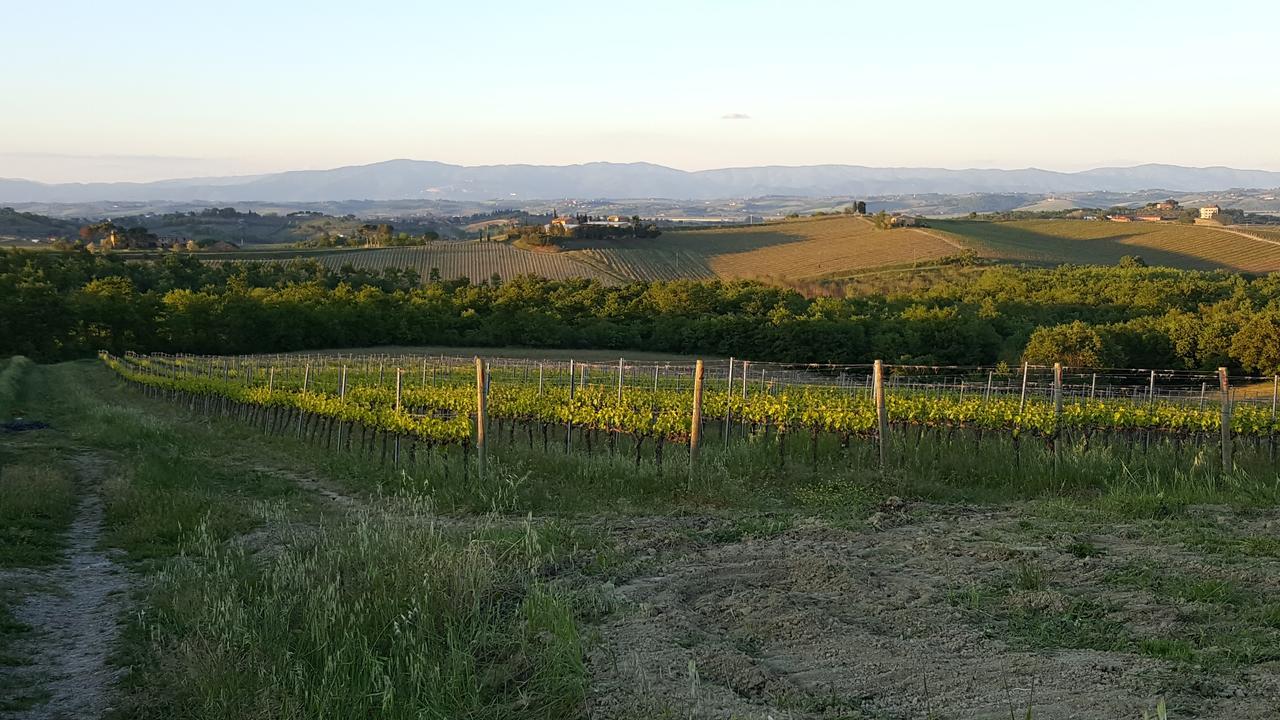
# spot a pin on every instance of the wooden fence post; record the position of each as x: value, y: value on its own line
x: 1151, y: 389
x: 728, y: 408
x: 1093, y: 386
x: 539, y: 378
x: 620, y: 370
x: 1057, y: 409
x: 1022, y: 403
x: 882, y: 414
x: 399, y: 379
x: 1225, y: 386
x: 482, y: 415
x: 271, y: 379
x: 695, y: 425
x: 1275, y: 397
x: 568, y: 428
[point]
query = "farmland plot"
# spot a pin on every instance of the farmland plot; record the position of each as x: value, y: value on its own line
x: 1081, y: 242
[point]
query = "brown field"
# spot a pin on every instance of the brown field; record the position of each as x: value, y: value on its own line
x: 798, y: 249
x: 1054, y: 242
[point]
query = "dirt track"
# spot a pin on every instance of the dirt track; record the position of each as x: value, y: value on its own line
x: 75, y: 613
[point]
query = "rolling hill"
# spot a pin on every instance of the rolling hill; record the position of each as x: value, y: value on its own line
x: 1054, y: 242
x: 403, y: 179
x: 795, y: 250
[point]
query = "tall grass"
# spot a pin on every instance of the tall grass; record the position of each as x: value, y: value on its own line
x: 260, y: 603
x: 757, y: 474
x: 384, y: 616
x: 37, y: 503
x: 12, y: 372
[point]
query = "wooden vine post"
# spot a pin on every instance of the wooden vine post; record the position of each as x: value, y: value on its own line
x: 728, y: 413
x: 306, y: 380
x: 395, y: 452
x: 1057, y: 409
x: 342, y: 394
x: 1275, y: 398
x: 1022, y: 403
x: 882, y: 412
x: 695, y: 424
x: 1225, y: 386
x: 568, y: 427
x: 482, y: 416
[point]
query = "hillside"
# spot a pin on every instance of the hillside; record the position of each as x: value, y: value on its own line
x: 796, y: 250
x: 19, y: 226
x: 1054, y: 242
x: 402, y: 179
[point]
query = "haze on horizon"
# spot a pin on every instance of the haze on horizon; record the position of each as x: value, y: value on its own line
x: 143, y: 90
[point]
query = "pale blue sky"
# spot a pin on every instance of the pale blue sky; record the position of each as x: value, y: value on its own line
x: 133, y: 90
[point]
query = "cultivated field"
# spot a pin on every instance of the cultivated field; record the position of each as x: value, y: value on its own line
x: 795, y: 250
x: 1054, y: 242
x: 475, y: 259
x: 823, y: 247
x: 1266, y: 232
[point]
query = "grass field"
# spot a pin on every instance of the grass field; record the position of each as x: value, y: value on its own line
x: 795, y: 250
x: 1053, y: 242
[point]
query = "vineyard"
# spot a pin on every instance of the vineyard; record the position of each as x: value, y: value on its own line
x: 1266, y: 232
x: 413, y: 408
x: 474, y: 259
x: 1083, y: 242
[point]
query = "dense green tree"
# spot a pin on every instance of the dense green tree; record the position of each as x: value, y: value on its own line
x: 1257, y: 345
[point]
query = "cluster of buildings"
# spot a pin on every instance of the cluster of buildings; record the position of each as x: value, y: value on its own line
x: 563, y: 225
x: 1166, y: 211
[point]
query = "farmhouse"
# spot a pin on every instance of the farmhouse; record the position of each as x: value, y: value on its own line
x: 561, y: 224
x: 1167, y: 205
x: 1120, y: 218
x: 903, y: 221
x: 1150, y: 218
x: 1210, y: 212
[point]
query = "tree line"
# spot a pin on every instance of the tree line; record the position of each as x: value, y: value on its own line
x: 61, y: 305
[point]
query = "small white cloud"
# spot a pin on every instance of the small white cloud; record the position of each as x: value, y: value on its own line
x: 735, y: 116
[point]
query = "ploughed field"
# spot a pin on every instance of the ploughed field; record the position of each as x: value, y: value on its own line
x: 793, y: 250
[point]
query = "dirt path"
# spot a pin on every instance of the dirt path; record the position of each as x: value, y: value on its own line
x: 75, y: 614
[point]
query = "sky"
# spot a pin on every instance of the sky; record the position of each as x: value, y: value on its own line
x: 138, y: 90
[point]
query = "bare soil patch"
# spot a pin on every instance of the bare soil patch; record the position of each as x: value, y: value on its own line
x: 823, y: 622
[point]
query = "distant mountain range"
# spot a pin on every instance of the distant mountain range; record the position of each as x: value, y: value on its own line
x: 420, y: 179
